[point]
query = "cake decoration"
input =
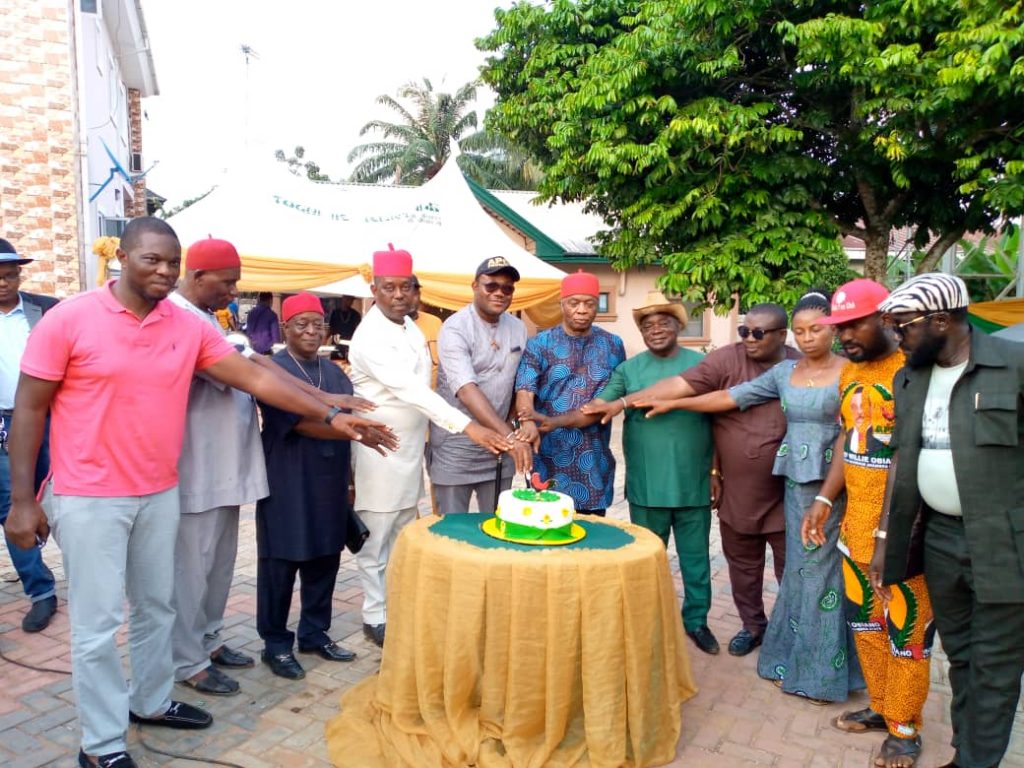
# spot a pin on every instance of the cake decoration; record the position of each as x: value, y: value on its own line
x: 536, y: 515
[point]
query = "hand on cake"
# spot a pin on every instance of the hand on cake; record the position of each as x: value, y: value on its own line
x: 487, y: 438
x: 522, y: 455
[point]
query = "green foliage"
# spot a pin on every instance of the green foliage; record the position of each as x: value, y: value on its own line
x: 164, y: 213
x: 737, y: 141
x: 417, y: 146
x: 989, y: 267
x: 298, y: 164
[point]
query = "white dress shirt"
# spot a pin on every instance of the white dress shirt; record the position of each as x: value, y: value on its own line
x: 13, y: 337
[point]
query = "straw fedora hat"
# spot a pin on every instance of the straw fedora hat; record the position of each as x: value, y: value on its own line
x: 657, y: 304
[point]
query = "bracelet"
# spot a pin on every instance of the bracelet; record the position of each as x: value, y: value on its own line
x: 878, y: 533
x: 625, y: 405
x: 824, y: 500
x: 329, y: 417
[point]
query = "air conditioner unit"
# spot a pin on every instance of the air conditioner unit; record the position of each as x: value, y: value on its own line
x: 112, y: 227
x: 135, y: 165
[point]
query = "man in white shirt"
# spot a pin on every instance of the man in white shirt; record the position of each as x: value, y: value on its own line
x: 19, y: 312
x: 391, y: 366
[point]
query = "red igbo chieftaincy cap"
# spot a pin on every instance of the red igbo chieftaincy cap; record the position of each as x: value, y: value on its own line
x: 392, y: 263
x: 299, y: 303
x: 580, y: 283
x: 854, y: 300
x: 210, y: 254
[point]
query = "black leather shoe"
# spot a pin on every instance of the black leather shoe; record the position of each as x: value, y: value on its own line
x: 109, y: 760
x: 38, y: 617
x: 214, y: 683
x: 179, y: 715
x: 231, y: 659
x: 284, y: 665
x: 330, y: 651
x: 744, y: 642
x: 375, y: 633
x: 704, y: 639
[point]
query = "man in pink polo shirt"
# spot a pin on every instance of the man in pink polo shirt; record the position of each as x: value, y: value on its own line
x: 114, y: 366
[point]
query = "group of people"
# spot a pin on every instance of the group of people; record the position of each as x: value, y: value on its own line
x: 798, y: 451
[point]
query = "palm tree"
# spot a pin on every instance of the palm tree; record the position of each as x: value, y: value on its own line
x: 416, y: 147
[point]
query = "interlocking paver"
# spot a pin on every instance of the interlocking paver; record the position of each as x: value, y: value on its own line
x: 735, y: 720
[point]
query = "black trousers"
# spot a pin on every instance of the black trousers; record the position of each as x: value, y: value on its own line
x: 984, y: 643
x: 275, y: 582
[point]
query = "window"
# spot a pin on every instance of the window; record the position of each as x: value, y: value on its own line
x: 602, y: 303
x: 606, y: 304
x: 696, y: 326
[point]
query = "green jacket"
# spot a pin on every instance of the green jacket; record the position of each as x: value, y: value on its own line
x: 986, y: 426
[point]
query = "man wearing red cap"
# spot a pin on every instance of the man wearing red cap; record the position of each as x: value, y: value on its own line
x: 221, y: 467
x: 113, y: 366
x: 893, y: 638
x: 391, y: 366
x: 561, y: 369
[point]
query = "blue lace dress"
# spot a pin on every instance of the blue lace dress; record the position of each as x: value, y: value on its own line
x: 807, y: 645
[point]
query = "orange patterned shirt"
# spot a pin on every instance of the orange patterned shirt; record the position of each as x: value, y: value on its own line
x: 868, y: 413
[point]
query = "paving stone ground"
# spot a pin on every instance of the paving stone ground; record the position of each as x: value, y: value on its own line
x: 736, y: 720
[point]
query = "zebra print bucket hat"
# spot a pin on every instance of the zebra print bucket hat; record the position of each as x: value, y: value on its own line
x: 933, y: 292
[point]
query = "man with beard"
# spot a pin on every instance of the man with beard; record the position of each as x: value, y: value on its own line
x: 748, y: 496
x: 893, y: 639
x: 958, y: 470
x: 479, y: 349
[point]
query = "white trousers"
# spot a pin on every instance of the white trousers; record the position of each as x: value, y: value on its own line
x: 204, y: 565
x: 112, y: 546
x: 372, y: 559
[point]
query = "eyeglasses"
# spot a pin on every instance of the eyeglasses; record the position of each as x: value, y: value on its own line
x: 505, y: 288
x: 315, y: 327
x: 757, y: 333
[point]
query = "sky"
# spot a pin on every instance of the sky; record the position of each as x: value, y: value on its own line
x: 318, y: 68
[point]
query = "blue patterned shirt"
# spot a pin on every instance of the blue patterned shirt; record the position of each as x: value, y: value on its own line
x: 564, y: 372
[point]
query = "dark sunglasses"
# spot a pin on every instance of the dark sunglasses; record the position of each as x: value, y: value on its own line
x: 757, y: 333
x: 505, y: 288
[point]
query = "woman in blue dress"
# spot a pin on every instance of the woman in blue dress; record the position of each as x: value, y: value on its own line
x: 807, y: 648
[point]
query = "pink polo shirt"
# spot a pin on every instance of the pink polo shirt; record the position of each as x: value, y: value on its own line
x: 118, y: 416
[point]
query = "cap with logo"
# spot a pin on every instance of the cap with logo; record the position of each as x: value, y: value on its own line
x: 496, y: 265
x: 854, y: 300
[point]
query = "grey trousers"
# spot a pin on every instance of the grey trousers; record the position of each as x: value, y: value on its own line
x: 204, y: 564
x: 452, y: 499
x: 113, y: 546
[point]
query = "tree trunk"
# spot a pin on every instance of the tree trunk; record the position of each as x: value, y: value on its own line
x: 876, y: 255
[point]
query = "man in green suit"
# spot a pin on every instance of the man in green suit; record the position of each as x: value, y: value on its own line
x: 957, y: 483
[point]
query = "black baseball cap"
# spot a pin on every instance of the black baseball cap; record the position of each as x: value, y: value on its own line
x: 496, y: 264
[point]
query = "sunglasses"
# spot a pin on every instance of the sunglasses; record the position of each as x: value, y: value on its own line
x: 504, y: 288
x: 899, y: 328
x: 757, y: 333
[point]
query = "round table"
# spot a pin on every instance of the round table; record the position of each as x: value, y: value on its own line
x: 501, y: 655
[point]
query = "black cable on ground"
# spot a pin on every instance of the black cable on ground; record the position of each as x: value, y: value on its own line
x: 138, y: 731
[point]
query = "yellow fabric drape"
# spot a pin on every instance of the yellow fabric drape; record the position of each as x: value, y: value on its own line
x: 1005, y: 312
x: 497, y: 658
x: 537, y: 296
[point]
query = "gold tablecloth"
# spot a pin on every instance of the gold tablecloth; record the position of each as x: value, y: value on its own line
x: 505, y: 659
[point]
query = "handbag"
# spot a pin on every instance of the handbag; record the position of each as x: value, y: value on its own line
x: 356, y: 534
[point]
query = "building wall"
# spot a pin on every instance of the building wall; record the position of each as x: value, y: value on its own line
x: 38, y: 211
x: 106, y: 124
x: 138, y: 203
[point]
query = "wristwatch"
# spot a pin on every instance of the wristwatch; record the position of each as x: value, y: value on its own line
x: 878, y: 533
x: 334, y: 411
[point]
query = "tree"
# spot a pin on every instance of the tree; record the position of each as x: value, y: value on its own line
x: 298, y: 164
x: 737, y: 141
x: 416, y: 147
x: 187, y: 203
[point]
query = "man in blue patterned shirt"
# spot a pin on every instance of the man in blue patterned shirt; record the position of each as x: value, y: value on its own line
x: 561, y: 369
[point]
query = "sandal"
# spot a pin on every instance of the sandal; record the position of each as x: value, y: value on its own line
x: 861, y: 721
x: 895, y: 747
